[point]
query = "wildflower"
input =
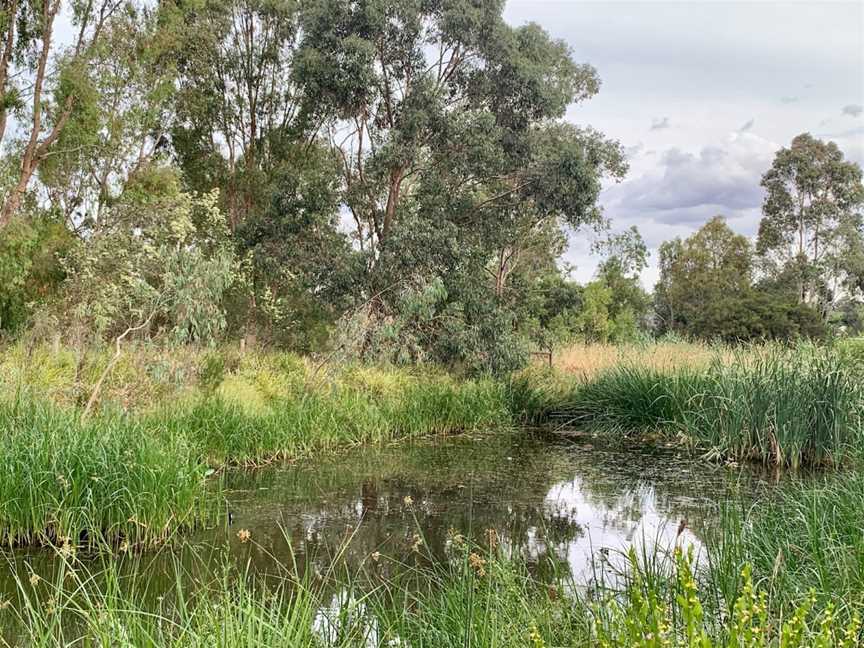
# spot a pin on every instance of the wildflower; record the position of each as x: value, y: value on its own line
x: 67, y: 549
x: 244, y: 535
x: 124, y: 546
x: 408, y: 500
x: 535, y: 637
x: 456, y: 538
x: 376, y: 556
x: 34, y: 579
x: 477, y: 564
x: 418, y: 542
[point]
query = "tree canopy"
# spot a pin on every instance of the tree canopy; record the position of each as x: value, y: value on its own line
x: 393, y: 178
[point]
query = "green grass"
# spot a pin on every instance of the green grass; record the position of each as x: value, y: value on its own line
x: 779, y: 406
x: 806, y: 537
x: 478, y: 596
x: 136, y: 478
x: 106, y: 480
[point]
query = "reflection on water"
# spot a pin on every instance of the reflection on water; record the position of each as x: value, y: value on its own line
x: 556, y: 503
x: 558, y: 500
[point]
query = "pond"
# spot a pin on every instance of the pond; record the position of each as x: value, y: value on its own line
x: 559, y: 502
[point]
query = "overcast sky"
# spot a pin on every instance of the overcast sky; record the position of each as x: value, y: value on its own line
x: 702, y: 94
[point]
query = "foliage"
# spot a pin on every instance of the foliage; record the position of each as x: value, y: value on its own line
x: 475, y: 595
x: 803, y: 541
x: 30, y: 269
x: 812, y: 228
x: 649, y: 617
x: 160, y: 258
x: 706, y: 290
x: 781, y: 407
x: 139, y: 476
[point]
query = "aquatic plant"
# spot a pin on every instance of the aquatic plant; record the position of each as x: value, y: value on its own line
x: 126, y: 477
x: 477, y: 596
x: 804, y: 538
x: 779, y: 406
x: 72, y: 483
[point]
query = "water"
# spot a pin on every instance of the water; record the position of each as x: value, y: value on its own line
x: 564, y: 500
x: 559, y: 502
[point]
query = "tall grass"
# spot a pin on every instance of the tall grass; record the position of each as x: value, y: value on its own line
x: 478, y: 596
x: 806, y: 538
x: 779, y: 406
x: 130, y: 478
x: 71, y: 483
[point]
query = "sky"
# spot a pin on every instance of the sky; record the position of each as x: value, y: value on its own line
x: 701, y: 95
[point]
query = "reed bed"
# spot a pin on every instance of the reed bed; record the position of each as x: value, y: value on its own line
x: 780, y: 406
x: 804, y: 540
x: 478, y: 596
x: 127, y: 478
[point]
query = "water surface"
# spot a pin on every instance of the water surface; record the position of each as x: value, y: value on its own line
x: 561, y: 503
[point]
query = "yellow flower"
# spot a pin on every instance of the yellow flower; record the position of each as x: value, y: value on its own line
x: 34, y: 579
x: 244, y: 535
x: 408, y: 500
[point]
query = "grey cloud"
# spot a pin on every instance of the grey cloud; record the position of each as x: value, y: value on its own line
x: 853, y: 110
x: 659, y: 123
x: 788, y: 100
x: 633, y: 151
x: 690, y: 187
x: 746, y: 127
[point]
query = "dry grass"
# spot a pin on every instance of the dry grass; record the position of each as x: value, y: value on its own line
x: 588, y: 360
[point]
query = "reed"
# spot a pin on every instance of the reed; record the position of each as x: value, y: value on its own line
x: 70, y: 483
x: 136, y: 478
x: 477, y: 596
x: 779, y: 406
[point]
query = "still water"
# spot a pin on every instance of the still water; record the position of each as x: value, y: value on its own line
x: 560, y: 502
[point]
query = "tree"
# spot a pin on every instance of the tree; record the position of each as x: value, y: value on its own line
x: 120, y: 122
x: 706, y: 290
x: 28, y: 32
x: 626, y: 257
x: 30, y: 269
x: 699, y: 272
x: 161, y: 261
x: 812, y: 227
x: 455, y: 165
x: 238, y: 106
x: 435, y: 102
x: 303, y: 270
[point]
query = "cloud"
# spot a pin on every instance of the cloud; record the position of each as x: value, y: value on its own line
x: 853, y: 110
x: 746, y: 127
x: 788, y: 100
x: 659, y: 123
x: 633, y: 151
x: 689, y: 188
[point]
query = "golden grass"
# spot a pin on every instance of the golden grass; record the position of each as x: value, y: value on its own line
x: 587, y: 360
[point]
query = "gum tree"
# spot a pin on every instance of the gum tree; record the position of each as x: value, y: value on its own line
x: 812, y: 230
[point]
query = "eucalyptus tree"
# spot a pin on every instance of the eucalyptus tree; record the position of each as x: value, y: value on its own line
x: 446, y: 120
x: 238, y: 106
x: 120, y: 124
x: 812, y: 230
x: 42, y: 81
